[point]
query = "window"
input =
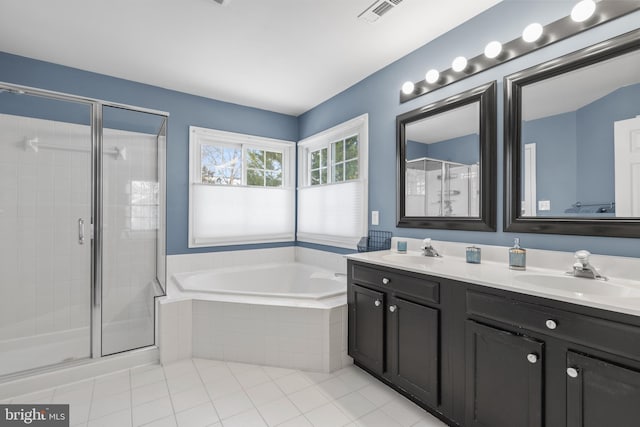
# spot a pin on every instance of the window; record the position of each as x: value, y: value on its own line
x: 318, y: 166
x: 143, y: 215
x: 264, y: 168
x: 241, y: 189
x: 344, y: 165
x: 220, y: 164
x: 332, y: 194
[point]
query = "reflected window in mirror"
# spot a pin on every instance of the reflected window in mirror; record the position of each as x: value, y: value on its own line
x: 572, y: 148
x: 445, y: 153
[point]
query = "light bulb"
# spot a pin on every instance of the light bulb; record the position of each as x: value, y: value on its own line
x: 459, y: 64
x: 432, y: 76
x: 493, y: 49
x: 532, y: 32
x: 408, y: 87
x: 583, y: 10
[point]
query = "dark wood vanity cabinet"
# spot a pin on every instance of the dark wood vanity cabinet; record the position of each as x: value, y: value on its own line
x: 600, y: 393
x: 482, y: 357
x: 504, y: 374
x: 366, y: 327
x: 583, y: 364
x: 412, y: 347
x: 393, y: 332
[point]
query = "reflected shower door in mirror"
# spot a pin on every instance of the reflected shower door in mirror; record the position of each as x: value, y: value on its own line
x: 442, y: 164
x: 445, y: 153
x: 573, y: 142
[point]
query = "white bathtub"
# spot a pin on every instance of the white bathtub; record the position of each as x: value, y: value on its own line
x: 273, y: 280
x: 286, y: 314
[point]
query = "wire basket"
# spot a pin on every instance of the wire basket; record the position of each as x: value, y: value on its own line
x: 375, y: 241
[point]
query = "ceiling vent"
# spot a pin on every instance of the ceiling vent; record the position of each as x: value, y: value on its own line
x: 377, y: 10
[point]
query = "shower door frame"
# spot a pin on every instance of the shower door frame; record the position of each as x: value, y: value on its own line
x: 96, y: 203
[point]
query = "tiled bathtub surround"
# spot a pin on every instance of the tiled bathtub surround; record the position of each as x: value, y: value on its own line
x: 262, y: 331
x: 291, y: 337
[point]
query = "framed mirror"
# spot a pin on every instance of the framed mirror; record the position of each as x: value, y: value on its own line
x: 572, y: 143
x: 446, y: 163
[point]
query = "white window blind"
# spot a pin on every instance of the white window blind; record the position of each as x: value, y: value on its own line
x: 333, y: 213
x: 234, y: 214
x: 256, y: 206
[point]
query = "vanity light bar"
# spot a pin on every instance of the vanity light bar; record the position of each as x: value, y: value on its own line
x: 606, y: 10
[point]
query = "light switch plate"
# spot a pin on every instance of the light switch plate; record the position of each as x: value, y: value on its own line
x: 544, y: 205
x: 375, y: 218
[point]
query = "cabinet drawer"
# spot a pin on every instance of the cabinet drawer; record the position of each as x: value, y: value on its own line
x: 394, y: 281
x: 590, y: 331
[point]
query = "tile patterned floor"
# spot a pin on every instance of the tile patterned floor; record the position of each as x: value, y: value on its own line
x: 198, y: 392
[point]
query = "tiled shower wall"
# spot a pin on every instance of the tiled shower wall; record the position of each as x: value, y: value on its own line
x: 45, y: 284
x: 45, y: 272
x: 130, y: 227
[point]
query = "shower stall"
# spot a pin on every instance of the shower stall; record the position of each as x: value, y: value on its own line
x: 82, y: 241
x: 442, y: 188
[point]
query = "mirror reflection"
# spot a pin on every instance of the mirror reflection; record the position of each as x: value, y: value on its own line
x: 442, y: 164
x: 580, y: 142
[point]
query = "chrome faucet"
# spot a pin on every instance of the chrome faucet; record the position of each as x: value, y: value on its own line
x: 582, y: 267
x: 429, y: 250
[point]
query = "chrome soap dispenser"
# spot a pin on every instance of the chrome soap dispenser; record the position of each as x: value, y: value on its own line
x: 517, y: 256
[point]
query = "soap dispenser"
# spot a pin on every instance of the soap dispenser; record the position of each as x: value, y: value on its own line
x: 517, y: 256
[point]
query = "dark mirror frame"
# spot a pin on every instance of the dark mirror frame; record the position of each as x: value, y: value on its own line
x: 485, y: 95
x: 513, y: 84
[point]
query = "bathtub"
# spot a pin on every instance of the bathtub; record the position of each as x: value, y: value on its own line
x: 285, y: 314
x: 289, y: 280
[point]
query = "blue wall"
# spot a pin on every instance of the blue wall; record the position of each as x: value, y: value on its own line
x: 579, y: 148
x: 555, y: 139
x: 463, y: 149
x: 595, y: 138
x: 378, y: 95
x: 184, y: 110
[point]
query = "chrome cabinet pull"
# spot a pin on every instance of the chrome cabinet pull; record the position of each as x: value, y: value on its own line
x: 551, y: 324
x: 393, y: 308
x: 377, y: 303
x: 80, y: 231
x: 572, y: 372
x: 532, y: 357
x: 385, y: 281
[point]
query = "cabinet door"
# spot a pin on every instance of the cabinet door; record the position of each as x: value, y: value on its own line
x: 504, y: 375
x: 413, y: 349
x: 601, y: 394
x: 366, y: 327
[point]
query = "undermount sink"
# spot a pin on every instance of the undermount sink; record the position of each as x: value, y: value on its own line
x: 409, y: 258
x: 580, y: 286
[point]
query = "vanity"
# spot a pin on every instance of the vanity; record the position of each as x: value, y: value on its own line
x: 481, y: 345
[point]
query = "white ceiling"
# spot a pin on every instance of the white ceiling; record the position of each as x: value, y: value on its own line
x: 281, y: 55
x: 451, y: 124
x: 571, y: 91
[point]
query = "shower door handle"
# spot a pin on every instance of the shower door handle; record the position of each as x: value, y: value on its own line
x: 80, y: 231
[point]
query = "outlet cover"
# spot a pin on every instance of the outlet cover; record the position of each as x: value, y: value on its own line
x: 544, y: 205
x: 375, y: 218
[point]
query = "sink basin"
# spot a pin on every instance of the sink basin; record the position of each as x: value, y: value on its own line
x: 409, y: 259
x: 580, y: 286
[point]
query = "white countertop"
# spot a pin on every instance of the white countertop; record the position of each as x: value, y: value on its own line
x: 620, y: 294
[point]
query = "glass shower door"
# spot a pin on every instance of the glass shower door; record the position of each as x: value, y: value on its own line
x: 45, y: 229
x: 130, y: 234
